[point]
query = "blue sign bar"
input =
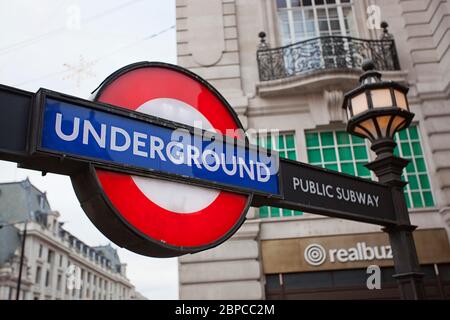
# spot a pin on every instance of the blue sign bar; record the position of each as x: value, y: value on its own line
x: 84, y: 132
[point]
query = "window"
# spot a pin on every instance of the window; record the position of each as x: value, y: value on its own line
x: 285, y: 145
x: 58, y: 282
x: 339, y: 151
x: 60, y: 260
x: 38, y: 275
x: 305, y: 19
x: 41, y: 249
x: 41, y: 200
x: 50, y: 256
x: 418, y: 191
x: 47, y: 278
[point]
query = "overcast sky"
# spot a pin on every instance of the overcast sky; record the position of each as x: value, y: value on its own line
x: 71, y: 46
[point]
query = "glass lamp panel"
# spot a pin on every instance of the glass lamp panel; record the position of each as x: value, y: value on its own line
x: 383, y: 123
x: 396, y: 125
x: 381, y: 98
x: 359, y: 104
x: 401, y: 99
x: 358, y: 130
x: 369, y: 126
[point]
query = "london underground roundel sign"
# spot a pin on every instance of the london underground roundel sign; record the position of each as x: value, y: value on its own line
x: 151, y: 216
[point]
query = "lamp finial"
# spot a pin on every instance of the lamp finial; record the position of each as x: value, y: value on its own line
x: 368, y: 65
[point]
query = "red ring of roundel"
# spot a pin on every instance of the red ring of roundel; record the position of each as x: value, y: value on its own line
x: 131, y: 90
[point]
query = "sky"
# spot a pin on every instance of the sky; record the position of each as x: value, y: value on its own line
x: 70, y: 46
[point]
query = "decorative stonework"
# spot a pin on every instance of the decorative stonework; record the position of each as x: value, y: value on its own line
x: 206, y: 44
x: 334, y: 100
x: 445, y: 214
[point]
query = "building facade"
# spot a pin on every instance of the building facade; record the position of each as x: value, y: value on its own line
x: 57, y: 265
x: 285, y: 64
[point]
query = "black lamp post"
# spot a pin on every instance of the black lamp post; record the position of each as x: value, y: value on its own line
x: 376, y: 110
x: 22, y: 255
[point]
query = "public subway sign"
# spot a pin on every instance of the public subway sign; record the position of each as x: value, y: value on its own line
x: 324, y: 191
x: 146, y: 144
x: 351, y: 196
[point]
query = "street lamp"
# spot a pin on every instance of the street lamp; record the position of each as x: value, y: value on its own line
x: 376, y: 110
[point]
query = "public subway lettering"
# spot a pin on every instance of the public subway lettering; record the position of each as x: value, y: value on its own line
x: 335, y: 192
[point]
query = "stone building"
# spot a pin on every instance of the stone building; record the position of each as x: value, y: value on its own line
x: 57, y: 265
x: 285, y: 64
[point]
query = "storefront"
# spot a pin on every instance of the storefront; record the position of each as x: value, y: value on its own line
x: 335, y: 267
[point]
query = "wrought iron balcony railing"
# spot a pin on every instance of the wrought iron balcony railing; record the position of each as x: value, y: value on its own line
x: 323, y: 53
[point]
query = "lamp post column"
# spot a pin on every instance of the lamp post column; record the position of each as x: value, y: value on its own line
x: 388, y: 169
x: 22, y: 255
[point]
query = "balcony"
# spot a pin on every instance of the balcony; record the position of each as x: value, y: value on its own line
x: 324, y: 53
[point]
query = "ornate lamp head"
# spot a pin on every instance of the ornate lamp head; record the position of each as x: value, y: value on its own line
x: 377, y: 109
